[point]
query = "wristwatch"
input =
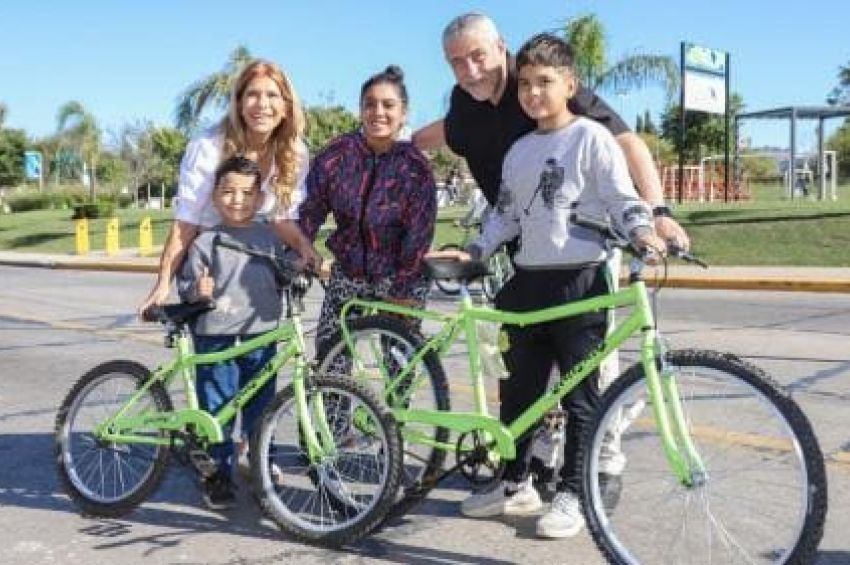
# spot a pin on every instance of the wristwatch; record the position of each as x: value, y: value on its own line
x: 660, y: 210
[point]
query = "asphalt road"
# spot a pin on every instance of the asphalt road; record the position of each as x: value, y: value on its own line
x: 56, y: 324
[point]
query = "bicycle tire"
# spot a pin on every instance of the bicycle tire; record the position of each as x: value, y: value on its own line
x: 305, y: 502
x: 450, y: 287
x: 110, y: 464
x: 764, y: 497
x: 420, y: 460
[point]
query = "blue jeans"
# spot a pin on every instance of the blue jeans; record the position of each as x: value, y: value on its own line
x: 219, y: 382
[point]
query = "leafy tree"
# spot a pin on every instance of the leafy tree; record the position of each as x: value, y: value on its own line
x: 648, y: 125
x: 326, y: 122
x: 3, y: 111
x: 211, y: 90
x: 13, y: 143
x: 79, y: 130
x: 839, y: 142
x: 135, y: 147
x: 112, y: 169
x: 639, y: 124
x: 840, y: 95
x: 703, y: 131
x: 662, y: 150
x: 587, y: 36
x: 168, y: 146
x: 759, y: 166
x: 443, y: 161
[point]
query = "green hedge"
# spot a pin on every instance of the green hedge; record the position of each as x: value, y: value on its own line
x: 78, y: 201
x: 100, y: 209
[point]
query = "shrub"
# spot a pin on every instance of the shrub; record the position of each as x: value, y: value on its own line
x: 99, y: 209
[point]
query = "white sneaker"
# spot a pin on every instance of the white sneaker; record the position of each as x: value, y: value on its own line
x: 564, y: 519
x: 508, y: 498
x: 612, y: 460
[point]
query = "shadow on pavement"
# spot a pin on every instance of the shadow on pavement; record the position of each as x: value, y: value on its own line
x: 28, y: 480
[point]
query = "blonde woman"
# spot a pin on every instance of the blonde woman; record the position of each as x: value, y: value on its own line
x: 264, y: 123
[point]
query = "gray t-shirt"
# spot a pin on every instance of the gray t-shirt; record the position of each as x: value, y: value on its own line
x: 247, y: 292
x: 546, y: 174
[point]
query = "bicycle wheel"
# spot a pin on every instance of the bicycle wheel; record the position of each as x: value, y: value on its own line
x: 449, y: 286
x: 108, y: 479
x: 340, y: 498
x: 383, y: 348
x: 763, y: 498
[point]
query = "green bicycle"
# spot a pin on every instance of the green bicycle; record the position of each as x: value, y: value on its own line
x: 332, y: 482
x: 722, y: 466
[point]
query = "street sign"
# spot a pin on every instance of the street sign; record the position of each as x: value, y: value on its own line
x: 704, y: 78
x: 705, y: 92
x: 705, y: 59
x: 32, y: 165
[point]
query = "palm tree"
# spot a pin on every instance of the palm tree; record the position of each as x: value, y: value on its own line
x: 587, y: 37
x: 78, y: 128
x: 212, y: 89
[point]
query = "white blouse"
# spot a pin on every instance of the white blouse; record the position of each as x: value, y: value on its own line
x: 197, y: 176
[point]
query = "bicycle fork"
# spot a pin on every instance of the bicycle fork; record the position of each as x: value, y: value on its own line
x: 672, y: 422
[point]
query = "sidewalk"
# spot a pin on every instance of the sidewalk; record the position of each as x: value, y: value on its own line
x: 804, y: 279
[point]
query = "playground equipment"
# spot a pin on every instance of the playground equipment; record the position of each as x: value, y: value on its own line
x: 793, y: 113
x: 804, y: 175
x: 703, y: 184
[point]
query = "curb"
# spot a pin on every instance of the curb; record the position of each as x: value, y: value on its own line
x: 673, y: 281
x: 113, y: 266
x: 767, y: 284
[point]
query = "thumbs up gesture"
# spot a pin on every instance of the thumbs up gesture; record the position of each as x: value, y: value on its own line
x: 205, y: 285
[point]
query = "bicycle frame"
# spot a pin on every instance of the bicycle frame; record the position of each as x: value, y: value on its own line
x: 677, y: 445
x: 124, y: 428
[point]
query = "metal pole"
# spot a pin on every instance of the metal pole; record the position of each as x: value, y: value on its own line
x: 681, y: 175
x: 736, y: 169
x: 792, y: 177
x: 821, y: 162
x: 726, y: 131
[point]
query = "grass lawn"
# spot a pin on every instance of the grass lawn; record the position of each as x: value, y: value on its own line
x: 767, y: 230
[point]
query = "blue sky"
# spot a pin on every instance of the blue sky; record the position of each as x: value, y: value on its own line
x: 130, y: 60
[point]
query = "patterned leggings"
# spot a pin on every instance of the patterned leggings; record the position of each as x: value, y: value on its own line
x: 341, y: 289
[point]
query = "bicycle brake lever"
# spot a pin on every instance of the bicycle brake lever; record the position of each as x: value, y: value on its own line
x: 685, y: 255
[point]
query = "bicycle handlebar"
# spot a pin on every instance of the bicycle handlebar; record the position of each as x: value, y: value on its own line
x: 295, y: 276
x: 615, y: 239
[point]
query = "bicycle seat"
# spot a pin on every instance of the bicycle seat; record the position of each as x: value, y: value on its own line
x: 450, y: 269
x: 179, y: 314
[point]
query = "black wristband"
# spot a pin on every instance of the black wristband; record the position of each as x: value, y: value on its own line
x: 662, y: 210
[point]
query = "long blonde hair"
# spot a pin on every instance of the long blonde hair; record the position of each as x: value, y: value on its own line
x: 286, y: 139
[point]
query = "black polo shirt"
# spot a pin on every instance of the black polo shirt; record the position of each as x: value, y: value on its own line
x: 482, y: 133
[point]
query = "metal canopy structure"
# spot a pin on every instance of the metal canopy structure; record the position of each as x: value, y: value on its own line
x: 794, y: 113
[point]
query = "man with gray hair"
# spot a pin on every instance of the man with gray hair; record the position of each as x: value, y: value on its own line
x: 485, y: 118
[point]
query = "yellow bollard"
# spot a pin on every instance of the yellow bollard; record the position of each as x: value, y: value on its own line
x: 112, y: 237
x: 81, y: 241
x: 145, y: 237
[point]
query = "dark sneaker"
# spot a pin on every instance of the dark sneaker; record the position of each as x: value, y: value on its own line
x: 218, y: 492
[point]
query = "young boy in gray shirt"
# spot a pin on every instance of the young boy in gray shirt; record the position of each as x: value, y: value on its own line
x: 247, y: 296
x: 567, y: 162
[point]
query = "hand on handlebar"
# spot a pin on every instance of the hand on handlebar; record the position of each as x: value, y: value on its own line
x: 652, y: 247
x: 449, y: 255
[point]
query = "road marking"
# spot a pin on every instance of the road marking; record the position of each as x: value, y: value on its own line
x: 75, y: 326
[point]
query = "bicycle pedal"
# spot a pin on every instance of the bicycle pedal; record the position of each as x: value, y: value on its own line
x: 203, y: 463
